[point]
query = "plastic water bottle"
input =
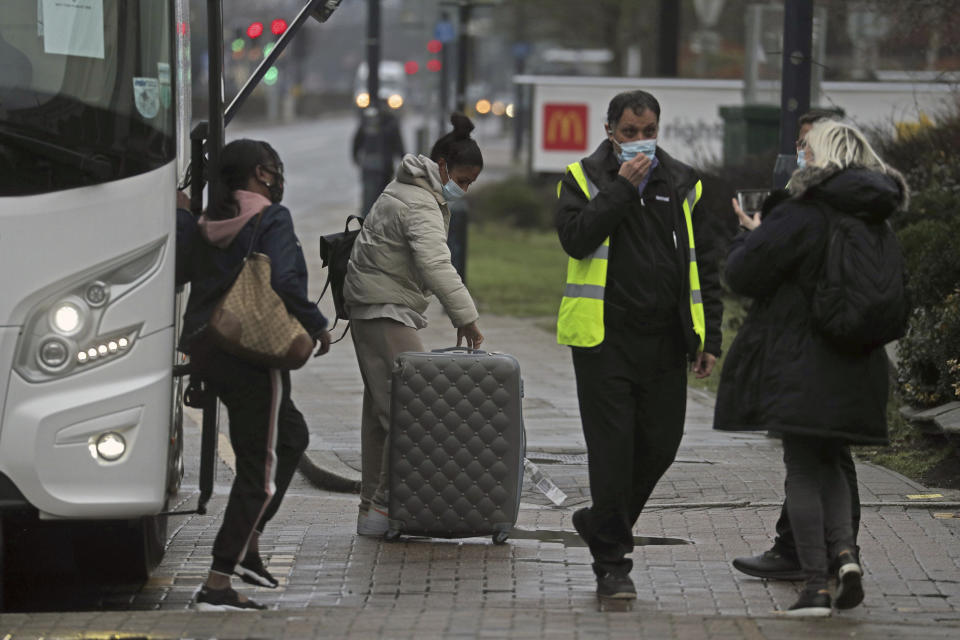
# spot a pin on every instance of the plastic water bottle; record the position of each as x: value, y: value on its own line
x: 543, y: 483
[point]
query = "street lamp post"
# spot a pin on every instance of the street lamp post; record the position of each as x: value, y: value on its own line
x: 371, y: 163
x: 463, y: 58
x: 444, y: 33
x: 795, y: 86
x: 457, y: 236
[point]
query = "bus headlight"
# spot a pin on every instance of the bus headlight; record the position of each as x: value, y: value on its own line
x: 62, y: 331
x: 110, y: 446
x: 66, y: 318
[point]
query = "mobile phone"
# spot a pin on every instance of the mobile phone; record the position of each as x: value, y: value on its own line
x: 751, y: 200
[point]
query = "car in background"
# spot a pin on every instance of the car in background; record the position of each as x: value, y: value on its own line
x: 393, y: 84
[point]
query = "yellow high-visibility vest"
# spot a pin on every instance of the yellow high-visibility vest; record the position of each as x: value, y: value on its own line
x: 580, y: 320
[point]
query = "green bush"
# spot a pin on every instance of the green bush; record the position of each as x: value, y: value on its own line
x: 929, y: 231
x: 514, y: 202
x: 932, y: 260
x: 929, y: 370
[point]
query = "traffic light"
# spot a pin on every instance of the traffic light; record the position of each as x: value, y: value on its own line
x: 434, y: 65
x: 255, y: 30
x: 434, y: 46
x: 278, y: 26
x: 411, y: 67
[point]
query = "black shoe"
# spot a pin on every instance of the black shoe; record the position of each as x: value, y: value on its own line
x: 813, y: 603
x: 771, y: 565
x: 849, y: 584
x: 617, y: 587
x: 223, y: 600
x: 252, y: 571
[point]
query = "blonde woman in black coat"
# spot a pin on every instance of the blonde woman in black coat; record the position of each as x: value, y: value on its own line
x: 782, y: 375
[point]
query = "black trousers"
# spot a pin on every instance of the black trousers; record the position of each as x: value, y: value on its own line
x: 632, y: 393
x: 785, y: 543
x: 268, y: 435
x: 818, y: 500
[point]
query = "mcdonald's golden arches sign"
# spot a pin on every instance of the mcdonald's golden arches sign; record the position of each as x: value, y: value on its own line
x: 564, y: 127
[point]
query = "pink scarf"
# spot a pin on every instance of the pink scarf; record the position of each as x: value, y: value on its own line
x: 220, y: 233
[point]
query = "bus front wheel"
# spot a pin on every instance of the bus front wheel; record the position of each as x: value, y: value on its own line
x: 126, y: 551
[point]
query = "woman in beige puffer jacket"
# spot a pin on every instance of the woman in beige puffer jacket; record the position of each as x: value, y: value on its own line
x: 400, y: 258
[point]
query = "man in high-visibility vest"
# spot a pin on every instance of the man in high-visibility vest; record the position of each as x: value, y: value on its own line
x: 641, y: 306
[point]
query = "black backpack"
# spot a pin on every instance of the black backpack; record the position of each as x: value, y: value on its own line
x: 860, y: 300
x: 335, y: 251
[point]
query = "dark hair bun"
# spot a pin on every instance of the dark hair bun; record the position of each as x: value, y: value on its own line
x: 461, y: 125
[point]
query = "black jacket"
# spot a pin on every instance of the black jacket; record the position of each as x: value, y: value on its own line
x: 648, y: 286
x: 780, y: 374
x: 211, y: 271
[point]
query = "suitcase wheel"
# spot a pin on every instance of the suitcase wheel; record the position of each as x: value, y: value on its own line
x: 500, y: 537
x: 392, y: 535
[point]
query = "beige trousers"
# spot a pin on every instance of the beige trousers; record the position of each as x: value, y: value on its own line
x: 378, y: 342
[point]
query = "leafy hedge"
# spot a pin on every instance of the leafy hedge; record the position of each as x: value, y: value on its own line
x: 929, y: 371
x: 515, y: 202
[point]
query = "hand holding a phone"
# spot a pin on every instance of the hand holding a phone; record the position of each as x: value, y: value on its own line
x: 747, y: 221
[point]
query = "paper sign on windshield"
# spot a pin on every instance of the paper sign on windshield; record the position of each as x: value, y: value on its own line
x: 73, y: 27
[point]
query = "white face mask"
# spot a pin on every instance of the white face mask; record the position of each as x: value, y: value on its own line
x: 630, y: 150
x: 453, y: 191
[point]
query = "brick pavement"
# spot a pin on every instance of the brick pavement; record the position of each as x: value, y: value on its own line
x: 717, y: 502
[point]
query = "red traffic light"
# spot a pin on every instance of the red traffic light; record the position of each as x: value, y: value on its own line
x: 278, y: 26
x: 411, y: 67
x: 434, y: 65
x: 255, y: 30
x: 434, y: 46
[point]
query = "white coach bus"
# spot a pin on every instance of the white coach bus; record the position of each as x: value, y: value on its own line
x: 94, y: 117
x: 94, y: 112
x: 89, y: 418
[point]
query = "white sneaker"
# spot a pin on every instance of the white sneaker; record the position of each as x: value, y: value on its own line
x: 375, y: 522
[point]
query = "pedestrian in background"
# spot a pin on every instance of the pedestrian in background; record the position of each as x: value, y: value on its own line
x: 782, y: 374
x: 642, y: 299
x: 267, y: 432
x: 780, y: 562
x: 390, y: 150
x: 399, y: 258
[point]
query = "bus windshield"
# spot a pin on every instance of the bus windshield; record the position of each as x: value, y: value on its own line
x: 86, y: 92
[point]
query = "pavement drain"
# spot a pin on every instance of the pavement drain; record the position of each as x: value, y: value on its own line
x: 572, y: 539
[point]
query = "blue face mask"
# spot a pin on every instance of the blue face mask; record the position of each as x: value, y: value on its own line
x: 801, y: 159
x: 630, y: 150
x: 452, y: 190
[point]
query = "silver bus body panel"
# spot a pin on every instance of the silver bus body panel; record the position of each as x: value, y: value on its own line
x: 48, y: 427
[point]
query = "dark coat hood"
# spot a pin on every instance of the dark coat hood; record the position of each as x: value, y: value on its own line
x: 859, y: 191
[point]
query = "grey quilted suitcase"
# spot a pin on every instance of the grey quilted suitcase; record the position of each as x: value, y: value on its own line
x: 456, y: 444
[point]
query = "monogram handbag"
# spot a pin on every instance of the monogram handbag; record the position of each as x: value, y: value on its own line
x: 251, y: 321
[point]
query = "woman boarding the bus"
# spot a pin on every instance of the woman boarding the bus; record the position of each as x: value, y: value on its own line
x: 399, y: 258
x: 267, y: 432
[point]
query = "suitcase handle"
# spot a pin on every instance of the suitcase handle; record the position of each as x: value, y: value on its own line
x: 459, y: 350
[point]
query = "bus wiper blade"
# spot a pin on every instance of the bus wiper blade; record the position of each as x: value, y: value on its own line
x: 88, y: 163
